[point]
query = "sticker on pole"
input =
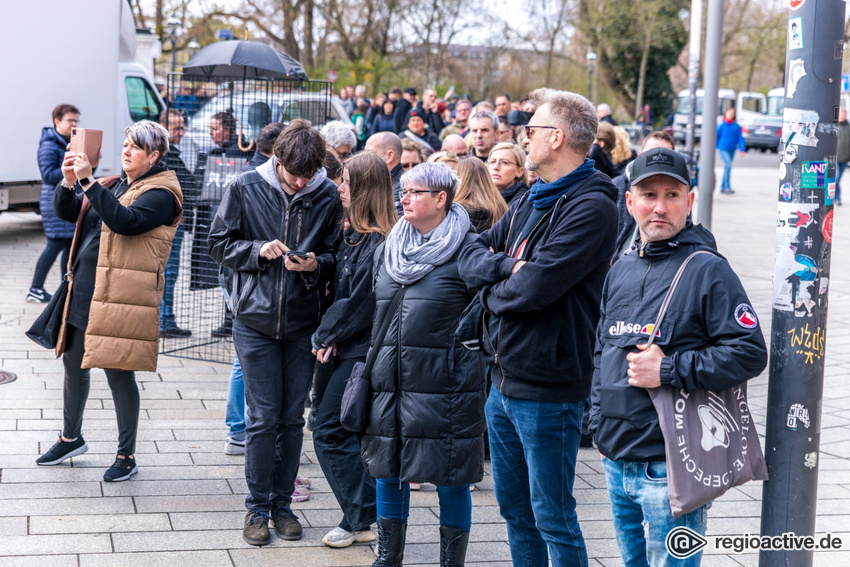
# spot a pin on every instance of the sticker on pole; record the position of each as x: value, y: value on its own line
x: 796, y: 4
x: 814, y: 175
x: 803, y: 124
x: 796, y: 71
x: 795, y: 34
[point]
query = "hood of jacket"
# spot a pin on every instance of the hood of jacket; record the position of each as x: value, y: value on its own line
x: 269, y: 175
x: 49, y: 133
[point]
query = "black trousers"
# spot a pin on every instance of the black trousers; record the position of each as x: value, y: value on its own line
x: 338, y: 451
x: 125, y: 394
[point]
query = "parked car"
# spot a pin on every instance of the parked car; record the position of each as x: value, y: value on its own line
x: 318, y: 108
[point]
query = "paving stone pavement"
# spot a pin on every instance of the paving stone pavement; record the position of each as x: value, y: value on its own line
x: 185, y: 507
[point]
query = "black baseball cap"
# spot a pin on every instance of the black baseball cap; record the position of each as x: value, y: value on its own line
x: 410, y: 91
x: 660, y: 161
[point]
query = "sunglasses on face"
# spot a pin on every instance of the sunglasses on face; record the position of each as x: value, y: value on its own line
x: 529, y: 130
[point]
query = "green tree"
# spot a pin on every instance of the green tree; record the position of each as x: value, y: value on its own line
x: 635, y: 38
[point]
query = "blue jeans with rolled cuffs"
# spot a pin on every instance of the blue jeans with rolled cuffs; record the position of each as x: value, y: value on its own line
x: 638, y: 494
x: 533, y: 450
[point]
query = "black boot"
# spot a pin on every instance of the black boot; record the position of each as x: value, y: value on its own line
x: 391, y: 535
x: 453, y: 544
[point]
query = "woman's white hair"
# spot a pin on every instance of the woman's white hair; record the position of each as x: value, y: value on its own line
x: 338, y: 134
x: 149, y: 136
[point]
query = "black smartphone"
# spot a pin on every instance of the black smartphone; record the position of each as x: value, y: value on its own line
x: 298, y: 253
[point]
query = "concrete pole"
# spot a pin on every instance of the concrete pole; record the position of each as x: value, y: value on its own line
x: 708, y: 137
x: 693, y: 76
x: 801, y: 274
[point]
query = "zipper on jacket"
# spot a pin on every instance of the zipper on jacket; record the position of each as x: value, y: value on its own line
x: 286, y: 207
x: 646, y: 273
x: 398, y: 381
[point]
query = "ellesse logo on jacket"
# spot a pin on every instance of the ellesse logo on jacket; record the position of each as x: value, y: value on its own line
x: 623, y: 328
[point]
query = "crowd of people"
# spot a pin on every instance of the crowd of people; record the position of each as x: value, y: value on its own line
x: 478, y: 259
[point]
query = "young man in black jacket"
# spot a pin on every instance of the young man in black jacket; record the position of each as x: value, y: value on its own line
x: 710, y: 339
x: 540, y: 271
x: 277, y: 228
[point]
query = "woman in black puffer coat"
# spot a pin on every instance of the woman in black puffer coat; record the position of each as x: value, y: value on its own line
x: 427, y: 414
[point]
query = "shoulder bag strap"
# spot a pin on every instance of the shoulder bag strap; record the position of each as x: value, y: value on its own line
x: 667, y: 298
x: 382, y: 332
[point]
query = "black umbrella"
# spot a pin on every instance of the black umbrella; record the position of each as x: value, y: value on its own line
x: 243, y: 60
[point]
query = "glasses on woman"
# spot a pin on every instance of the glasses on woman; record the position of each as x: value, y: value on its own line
x: 502, y: 163
x: 413, y: 194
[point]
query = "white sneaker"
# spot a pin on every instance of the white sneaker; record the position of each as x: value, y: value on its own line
x: 234, y: 447
x: 339, y: 537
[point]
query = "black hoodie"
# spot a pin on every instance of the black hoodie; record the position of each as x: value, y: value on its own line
x: 710, y: 338
x: 549, y: 308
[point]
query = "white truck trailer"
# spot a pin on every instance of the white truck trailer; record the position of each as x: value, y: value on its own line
x: 81, y: 53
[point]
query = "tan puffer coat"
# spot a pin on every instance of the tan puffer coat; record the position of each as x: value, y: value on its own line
x: 123, y: 329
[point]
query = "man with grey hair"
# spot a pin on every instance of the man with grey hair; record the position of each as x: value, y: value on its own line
x: 603, y: 111
x: 540, y: 271
x: 389, y: 147
x: 339, y: 139
x: 483, y: 126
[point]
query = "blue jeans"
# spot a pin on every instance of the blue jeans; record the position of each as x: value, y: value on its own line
x: 277, y: 375
x: 727, y: 157
x: 840, y: 167
x: 338, y: 451
x: 166, y: 308
x: 234, y: 412
x: 533, y: 450
x: 638, y: 494
x: 455, y: 503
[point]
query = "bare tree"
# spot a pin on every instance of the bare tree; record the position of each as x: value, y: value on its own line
x: 551, y: 19
x: 434, y: 24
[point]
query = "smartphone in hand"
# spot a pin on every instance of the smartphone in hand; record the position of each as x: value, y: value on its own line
x: 87, y: 141
x: 298, y: 253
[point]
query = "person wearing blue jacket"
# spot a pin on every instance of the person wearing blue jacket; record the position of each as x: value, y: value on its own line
x: 729, y: 136
x: 51, y: 150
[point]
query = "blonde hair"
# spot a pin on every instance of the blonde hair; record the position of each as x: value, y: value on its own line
x: 622, y: 148
x: 519, y: 156
x: 443, y: 156
x: 477, y: 190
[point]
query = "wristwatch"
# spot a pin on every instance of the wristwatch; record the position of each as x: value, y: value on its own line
x: 86, y: 182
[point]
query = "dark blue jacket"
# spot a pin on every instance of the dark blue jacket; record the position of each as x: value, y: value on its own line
x: 383, y: 123
x: 549, y: 308
x: 348, y: 321
x: 51, y: 151
x: 710, y: 338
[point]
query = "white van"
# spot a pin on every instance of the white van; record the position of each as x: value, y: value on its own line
x: 56, y: 54
x: 680, y: 118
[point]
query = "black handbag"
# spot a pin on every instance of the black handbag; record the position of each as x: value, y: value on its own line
x: 45, y: 329
x: 357, y: 397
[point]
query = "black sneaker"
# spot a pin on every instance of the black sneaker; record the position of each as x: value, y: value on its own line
x: 286, y: 524
x: 121, y: 469
x: 38, y: 295
x: 62, y: 450
x: 175, y: 333
x: 256, y: 530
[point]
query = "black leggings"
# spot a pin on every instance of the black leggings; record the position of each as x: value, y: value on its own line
x: 45, y: 261
x: 125, y: 394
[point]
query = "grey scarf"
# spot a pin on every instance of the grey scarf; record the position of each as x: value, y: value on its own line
x: 408, y: 256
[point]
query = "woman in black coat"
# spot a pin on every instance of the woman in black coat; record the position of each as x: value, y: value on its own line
x: 366, y: 193
x: 427, y: 411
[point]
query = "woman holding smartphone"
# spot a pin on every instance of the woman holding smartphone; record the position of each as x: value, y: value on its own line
x: 121, y: 246
x: 366, y: 193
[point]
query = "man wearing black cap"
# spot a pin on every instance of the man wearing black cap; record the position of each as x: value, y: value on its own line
x: 402, y: 108
x: 709, y: 340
